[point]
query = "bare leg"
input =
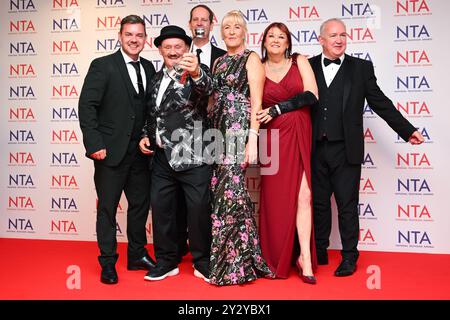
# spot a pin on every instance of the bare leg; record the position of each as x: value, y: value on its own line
x: 303, y: 222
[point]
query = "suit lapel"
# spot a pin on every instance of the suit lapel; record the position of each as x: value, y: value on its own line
x: 316, y: 65
x: 213, y: 56
x: 348, y: 70
x: 169, y: 91
x: 154, y: 87
x: 125, y: 76
x: 148, y: 75
x: 215, y: 53
x: 156, y: 84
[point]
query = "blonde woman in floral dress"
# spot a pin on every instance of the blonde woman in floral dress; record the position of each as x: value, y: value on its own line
x: 235, y: 251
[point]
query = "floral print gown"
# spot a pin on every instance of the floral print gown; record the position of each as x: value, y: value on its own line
x: 235, y: 251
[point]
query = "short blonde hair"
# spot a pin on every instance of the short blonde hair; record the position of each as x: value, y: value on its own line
x: 236, y: 17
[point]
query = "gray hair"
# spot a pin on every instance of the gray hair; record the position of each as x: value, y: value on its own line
x: 322, y: 26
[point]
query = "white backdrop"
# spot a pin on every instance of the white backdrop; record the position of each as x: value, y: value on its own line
x: 47, y: 189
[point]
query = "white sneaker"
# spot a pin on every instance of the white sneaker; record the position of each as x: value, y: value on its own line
x: 160, y: 274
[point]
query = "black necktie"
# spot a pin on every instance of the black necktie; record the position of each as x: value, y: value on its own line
x: 137, y: 67
x: 327, y: 61
x: 199, y: 51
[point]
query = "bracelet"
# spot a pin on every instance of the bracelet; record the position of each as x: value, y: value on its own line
x: 254, y: 131
x: 273, y: 112
x: 278, y: 109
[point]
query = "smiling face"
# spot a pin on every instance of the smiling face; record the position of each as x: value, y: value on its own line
x: 200, y: 19
x: 233, y: 33
x: 333, y: 39
x: 172, y: 50
x: 132, y: 39
x: 276, y: 41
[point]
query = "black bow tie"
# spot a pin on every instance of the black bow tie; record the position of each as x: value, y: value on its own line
x: 327, y: 61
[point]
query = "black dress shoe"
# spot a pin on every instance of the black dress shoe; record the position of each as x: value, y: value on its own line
x: 109, y: 274
x: 144, y: 263
x: 346, y: 268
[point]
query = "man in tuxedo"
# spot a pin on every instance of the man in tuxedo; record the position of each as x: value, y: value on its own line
x: 201, y: 17
x: 112, y: 114
x: 172, y: 135
x: 344, y: 83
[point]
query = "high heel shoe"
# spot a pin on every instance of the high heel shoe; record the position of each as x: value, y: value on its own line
x: 305, y: 279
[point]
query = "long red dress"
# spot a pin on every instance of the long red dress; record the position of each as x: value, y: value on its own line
x: 279, y: 192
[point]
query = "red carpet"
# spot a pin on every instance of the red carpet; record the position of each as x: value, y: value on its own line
x: 37, y: 269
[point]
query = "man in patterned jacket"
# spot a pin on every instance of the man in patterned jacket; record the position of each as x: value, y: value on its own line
x: 173, y: 135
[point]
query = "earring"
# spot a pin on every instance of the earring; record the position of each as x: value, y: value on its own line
x: 286, y: 54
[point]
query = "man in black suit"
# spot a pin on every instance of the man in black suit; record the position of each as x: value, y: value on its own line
x: 112, y: 114
x: 174, y: 135
x: 344, y: 83
x: 201, y: 17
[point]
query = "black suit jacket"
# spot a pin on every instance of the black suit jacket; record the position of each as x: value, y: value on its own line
x: 181, y: 109
x: 215, y: 53
x: 106, y: 109
x: 360, y: 83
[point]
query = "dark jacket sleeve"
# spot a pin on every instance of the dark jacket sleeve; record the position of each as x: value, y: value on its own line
x: 149, y: 117
x: 146, y: 128
x: 383, y: 106
x: 204, y: 85
x: 90, y: 100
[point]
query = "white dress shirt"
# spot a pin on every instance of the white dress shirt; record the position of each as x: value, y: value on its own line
x: 132, y: 71
x: 329, y: 72
x: 162, y: 89
x: 205, y: 56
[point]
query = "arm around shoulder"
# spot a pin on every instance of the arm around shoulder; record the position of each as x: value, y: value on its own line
x: 309, y: 97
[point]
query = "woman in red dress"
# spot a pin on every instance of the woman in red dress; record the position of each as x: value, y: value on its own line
x: 285, y: 197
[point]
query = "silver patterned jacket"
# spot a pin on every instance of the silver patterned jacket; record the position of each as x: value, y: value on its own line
x: 180, y: 119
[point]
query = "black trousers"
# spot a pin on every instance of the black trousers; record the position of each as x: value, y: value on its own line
x: 331, y: 173
x: 182, y: 228
x: 166, y: 187
x: 132, y: 176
